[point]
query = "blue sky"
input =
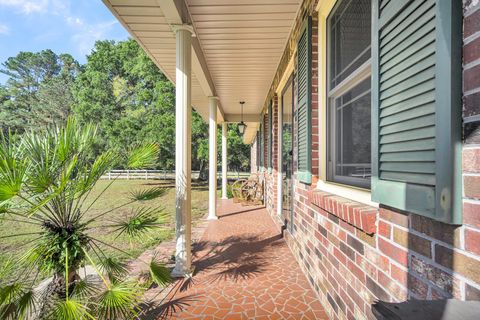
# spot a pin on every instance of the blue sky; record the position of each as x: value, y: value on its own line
x: 65, y: 26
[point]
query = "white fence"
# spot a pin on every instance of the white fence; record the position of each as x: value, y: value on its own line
x: 161, y: 175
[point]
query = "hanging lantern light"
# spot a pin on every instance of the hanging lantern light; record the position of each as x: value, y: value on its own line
x: 242, y: 126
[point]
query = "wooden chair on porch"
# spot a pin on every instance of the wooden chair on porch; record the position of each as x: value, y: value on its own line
x: 248, y: 191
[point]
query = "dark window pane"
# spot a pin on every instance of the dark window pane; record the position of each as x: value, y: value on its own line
x: 349, y: 38
x: 351, y: 142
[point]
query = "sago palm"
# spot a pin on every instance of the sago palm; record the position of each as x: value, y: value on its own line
x: 46, y: 179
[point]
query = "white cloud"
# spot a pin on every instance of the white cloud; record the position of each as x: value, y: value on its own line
x: 4, y: 29
x: 27, y: 6
x: 86, y: 35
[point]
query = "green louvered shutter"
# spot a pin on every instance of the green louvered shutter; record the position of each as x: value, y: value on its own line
x: 270, y: 136
x: 416, y: 106
x: 258, y: 151
x: 304, y: 103
x: 261, y: 144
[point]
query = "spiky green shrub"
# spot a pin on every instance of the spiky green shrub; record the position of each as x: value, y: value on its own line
x: 46, y: 179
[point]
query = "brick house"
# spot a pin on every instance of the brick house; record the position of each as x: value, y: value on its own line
x: 363, y: 117
x: 370, y: 213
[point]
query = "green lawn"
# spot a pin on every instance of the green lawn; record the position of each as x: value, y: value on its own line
x: 117, y: 194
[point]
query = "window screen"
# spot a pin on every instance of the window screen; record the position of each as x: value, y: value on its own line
x: 349, y: 96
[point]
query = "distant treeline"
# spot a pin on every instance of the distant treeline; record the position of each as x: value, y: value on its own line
x: 119, y: 88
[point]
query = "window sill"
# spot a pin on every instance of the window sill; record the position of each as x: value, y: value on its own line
x: 363, y: 196
x: 359, y: 215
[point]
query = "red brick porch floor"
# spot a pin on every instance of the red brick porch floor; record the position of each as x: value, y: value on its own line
x: 243, y: 270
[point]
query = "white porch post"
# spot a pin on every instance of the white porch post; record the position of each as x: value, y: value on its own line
x: 183, y: 170
x: 212, y: 159
x: 224, y: 161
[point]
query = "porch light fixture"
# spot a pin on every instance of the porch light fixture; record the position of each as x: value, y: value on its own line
x: 242, y: 126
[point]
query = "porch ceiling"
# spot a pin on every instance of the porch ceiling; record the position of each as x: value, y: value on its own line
x: 235, y: 53
x: 242, y: 41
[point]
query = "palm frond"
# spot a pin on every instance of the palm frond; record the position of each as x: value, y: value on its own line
x: 16, y: 301
x: 5, y: 207
x: 159, y: 273
x: 6, y: 269
x: 144, y: 156
x: 70, y: 309
x: 26, y: 304
x: 147, y: 194
x: 39, y: 149
x: 12, y: 169
x: 86, y: 288
x: 73, y: 139
x: 113, y: 267
x: 93, y: 172
x: 142, y: 221
x: 10, y: 292
x: 119, y: 301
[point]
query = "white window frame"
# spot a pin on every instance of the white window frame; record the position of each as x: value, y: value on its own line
x: 351, y: 192
x: 359, y: 75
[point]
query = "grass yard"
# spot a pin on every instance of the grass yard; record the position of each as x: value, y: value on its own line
x: 116, y: 195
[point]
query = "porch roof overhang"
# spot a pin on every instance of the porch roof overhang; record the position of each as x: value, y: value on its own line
x: 235, y: 52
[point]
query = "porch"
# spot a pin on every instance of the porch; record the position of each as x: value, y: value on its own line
x: 372, y: 206
x: 243, y: 270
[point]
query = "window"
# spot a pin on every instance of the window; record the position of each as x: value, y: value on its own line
x: 260, y: 146
x: 348, y: 91
x: 259, y: 149
x: 270, y: 136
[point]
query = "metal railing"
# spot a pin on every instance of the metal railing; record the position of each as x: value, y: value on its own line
x: 162, y: 175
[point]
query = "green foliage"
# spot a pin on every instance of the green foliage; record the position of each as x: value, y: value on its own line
x: 70, y: 309
x: 119, y: 301
x: 119, y: 88
x: 143, y: 156
x: 141, y: 222
x: 238, y: 152
x: 159, y: 273
x: 48, y: 252
x: 123, y: 91
x: 38, y: 91
x: 113, y: 268
x: 229, y: 191
x: 147, y: 194
x: 47, y: 176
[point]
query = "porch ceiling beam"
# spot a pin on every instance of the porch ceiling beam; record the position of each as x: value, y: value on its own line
x: 176, y: 12
x: 230, y: 117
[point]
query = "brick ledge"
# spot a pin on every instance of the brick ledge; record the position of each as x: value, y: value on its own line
x: 359, y: 215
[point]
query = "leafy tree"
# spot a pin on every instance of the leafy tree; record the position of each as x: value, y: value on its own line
x: 200, y: 145
x: 238, y: 153
x: 121, y: 89
x: 45, y: 180
x: 55, y: 96
x: 38, y: 89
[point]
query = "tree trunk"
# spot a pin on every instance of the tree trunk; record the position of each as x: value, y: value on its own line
x: 54, y: 291
x: 203, y: 172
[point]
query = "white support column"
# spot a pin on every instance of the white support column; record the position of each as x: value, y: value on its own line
x: 212, y: 159
x: 224, y: 161
x: 183, y: 156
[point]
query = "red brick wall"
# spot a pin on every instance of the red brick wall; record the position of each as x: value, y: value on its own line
x: 354, y: 254
x: 271, y: 175
x: 265, y: 137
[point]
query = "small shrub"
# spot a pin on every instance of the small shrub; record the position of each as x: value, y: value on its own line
x: 229, y: 191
